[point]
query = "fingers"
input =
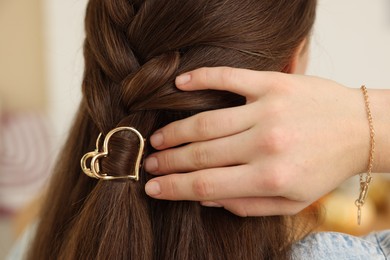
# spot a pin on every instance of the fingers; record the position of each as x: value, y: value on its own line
x: 203, y: 126
x: 248, y: 83
x: 228, y: 151
x: 263, y: 206
x: 215, y: 184
x: 252, y: 146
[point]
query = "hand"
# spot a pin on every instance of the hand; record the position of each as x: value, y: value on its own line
x: 296, y: 139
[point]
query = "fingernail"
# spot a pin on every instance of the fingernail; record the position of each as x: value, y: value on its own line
x: 211, y: 204
x: 151, y: 164
x: 157, y: 139
x: 152, y: 188
x: 183, y: 79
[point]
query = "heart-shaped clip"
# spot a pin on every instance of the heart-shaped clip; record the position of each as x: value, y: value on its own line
x: 94, y: 170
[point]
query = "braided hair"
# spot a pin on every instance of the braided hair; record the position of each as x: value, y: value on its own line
x: 133, y: 51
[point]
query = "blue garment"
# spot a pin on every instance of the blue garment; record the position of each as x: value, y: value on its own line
x: 339, y: 246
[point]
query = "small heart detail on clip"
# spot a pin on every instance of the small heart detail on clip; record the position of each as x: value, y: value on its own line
x: 94, y: 170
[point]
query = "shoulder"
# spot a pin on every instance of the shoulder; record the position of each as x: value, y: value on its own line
x: 333, y: 245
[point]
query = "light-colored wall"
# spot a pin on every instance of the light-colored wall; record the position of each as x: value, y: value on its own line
x: 351, y: 42
x: 64, y: 33
x: 22, y: 83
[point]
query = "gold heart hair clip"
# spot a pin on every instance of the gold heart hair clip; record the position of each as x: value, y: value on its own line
x: 94, y: 170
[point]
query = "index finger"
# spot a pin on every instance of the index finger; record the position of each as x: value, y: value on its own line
x: 249, y: 83
x: 203, y: 126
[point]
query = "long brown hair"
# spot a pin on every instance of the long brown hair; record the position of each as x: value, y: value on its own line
x: 133, y: 51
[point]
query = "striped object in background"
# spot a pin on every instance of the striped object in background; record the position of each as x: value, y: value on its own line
x: 25, y: 158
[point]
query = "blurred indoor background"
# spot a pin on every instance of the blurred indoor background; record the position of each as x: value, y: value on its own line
x: 40, y: 73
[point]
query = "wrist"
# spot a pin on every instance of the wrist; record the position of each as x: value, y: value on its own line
x: 380, y: 109
x: 379, y: 102
x: 358, y: 134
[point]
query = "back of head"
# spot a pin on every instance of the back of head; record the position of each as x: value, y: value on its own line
x: 133, y: 52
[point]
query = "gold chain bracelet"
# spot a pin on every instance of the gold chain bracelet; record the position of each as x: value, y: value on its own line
x: 365, y: 182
